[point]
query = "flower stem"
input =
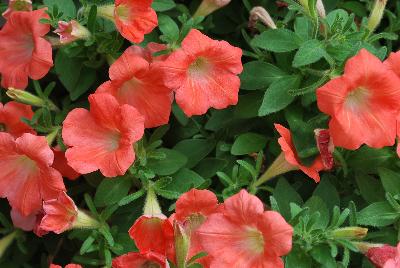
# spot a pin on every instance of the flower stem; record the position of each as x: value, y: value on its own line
x: 85, y: 221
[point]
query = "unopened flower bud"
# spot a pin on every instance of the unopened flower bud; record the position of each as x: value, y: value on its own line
x: 209, y: 6
x: 321, y: 9
x: 17, y: 5
x: 151, y: 206
x: 182, y: 244
x: 352, y: 232
x: 376, y: 14
x: 260, y: 14
x: 71, y: 31
x: 6, y: 241
x: 30, y: 99
x: 325, y: 146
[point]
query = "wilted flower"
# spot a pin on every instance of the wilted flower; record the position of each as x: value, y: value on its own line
x: 71, y: 31
x: 260, y: 14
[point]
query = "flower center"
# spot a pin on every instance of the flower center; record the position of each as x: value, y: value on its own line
x: 21, y: 5
x: 122, y: 13
x: 113, y: 141
x: 29, y: 164
x: 357, y: 98
x: 254, y: 240
x: 199, y: 66
x: 3, y: 127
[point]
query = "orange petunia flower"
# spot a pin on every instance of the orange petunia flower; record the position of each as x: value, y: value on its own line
x: 61, y: 164
x: 363, y: 103
x: 23, y: 50
x: 138, y: 260
x: 203, y: 73
x: 102, y: 138
x: 11, y: 114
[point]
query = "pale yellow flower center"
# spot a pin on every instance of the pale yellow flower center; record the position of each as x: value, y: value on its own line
x: 254, y: 240
x: 357, y: 98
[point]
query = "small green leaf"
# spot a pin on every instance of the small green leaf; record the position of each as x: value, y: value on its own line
x: 390, y: 180
x: 195, y: 150
x: 248, y: 143
x: 163, y: 5
x: 310, y: 51
x: 168, y: 27
x: 259, y: 75
x: 67, y: 7
x: 285, y: 194
x: 183, y: 181
x: 277, y: 40
x: 111, y: 191
x: 378, y: 214
x: 173, y: 161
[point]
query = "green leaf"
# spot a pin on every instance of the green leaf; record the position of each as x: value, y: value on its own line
x: 390, y: 180
x: 132, y: 197
x: 378, y: 214
x: 322, y: 254
x: 316, y: 204
x: 168, y: 27
x: 277, y: 40
x: 163, y: 5
x: 310, y: 51
x: 195, y: 150
x: 297, y: 258
x: 368, y: 160
x: 208, y: 167
x: 370, y: 188
x: 285, y: 194
x: 67, y: 7
x: 184, y: 180
x: 327, y: 192
x: 174, y: 160
x: 248, y: 143
x: 277, y: 97
x: 111, y: 191
x: 259, y: 75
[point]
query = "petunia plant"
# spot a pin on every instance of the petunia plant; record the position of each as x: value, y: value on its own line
x: 206, y: 133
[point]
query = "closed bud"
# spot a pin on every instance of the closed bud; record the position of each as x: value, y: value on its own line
x: 376, y: 14
x: 260, y: 14
x: 71, y: 31
x: 182, y: 244
x: 25, y: 97
x: 209, y: 6
x: 352, y: 232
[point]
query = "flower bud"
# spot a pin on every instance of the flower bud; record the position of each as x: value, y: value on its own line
x: 71, y: 31
x: 352, y: 232
x: 17, y: 5
x: 260, y: 14
x: 6, y: 241
x: 209, y: 6
x: 85, y: 221
x: 376, y: 14
x: 182, y: 244
x: 321, y: 9
x: 151, y: 207
x: 30, y: 99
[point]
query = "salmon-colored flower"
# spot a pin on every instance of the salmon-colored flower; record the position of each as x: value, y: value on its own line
x: 138, y: 260
x: 61, y: 164
x: 133, y: 19
x: 11, y: 114
x: 244, y: 235
x: 152, y: 233
x: 384, y: 256
x: 140, y: 85
x: 363, y: 103
x: 103, y: 137
x: 192, y: 210
x: 26, y: 177
x: 204, y: 73
x: 289, y: 151
x: 29, y: 223
x: 71, y: 31
x: 60, y: 214
x: 398, y: 134
x: 17, y: 5
x: 23, y: 50
x: 148, y: 52
x: 67, y: 266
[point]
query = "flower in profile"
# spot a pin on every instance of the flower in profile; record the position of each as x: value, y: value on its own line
x: 133, y: 19
x: 325, y: 147
x: 140, y: 85
x: 61, y: 164
x: 152, y: 231
x: 23, y: 50
x: 244, y: 235
x: 11, y: 114
x: 26, y: 177
x: 381, y: 255
x: 363, y: 103
x: 17, y: 5
x: 102, y: 138
x: 139, y: 260
x: 71, y: 31
x: 192, y: 210
x: 203, y: 73
x: 209, y: 6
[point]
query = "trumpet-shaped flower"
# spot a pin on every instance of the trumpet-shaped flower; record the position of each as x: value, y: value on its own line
x: 138, y: 260
x: 103, y: 137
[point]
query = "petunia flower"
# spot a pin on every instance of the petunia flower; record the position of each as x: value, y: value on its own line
x: 149, y: 50
x: 203, y: 73
x: 23, y: 50
x: 138, y: 260
x: 61, y: 214
x: 17, y: 5
x: 61, y: 164
x: 398, y: 134
x: 363, y: 103
x: 381, y: 255
x: 71, y: 31
x: 152, y: 231
x: 192, y: 210
x: 133, y: 19
x: 72, y: 265
x: 11, y: 114
x: 102, y: 138
x: 26, y: 177
x: 140, y: 85
x: 244, y: 235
